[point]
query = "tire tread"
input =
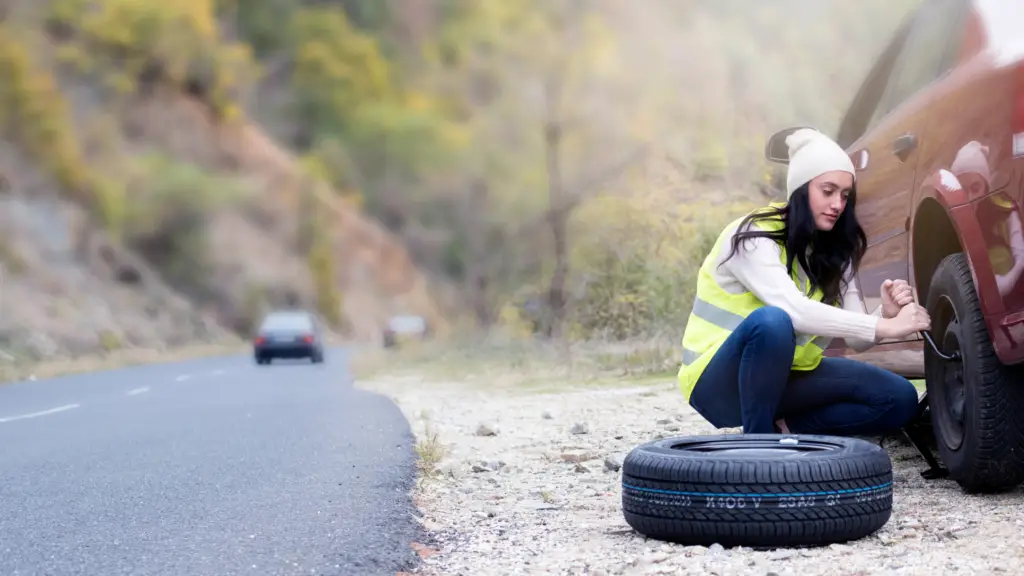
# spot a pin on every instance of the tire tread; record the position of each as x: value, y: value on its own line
x: 670, y: 517
x: 995, y: 458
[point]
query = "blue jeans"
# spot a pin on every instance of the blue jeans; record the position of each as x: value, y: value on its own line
x: 749, y: 383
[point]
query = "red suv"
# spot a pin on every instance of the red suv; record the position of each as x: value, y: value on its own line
x: 936, y: 132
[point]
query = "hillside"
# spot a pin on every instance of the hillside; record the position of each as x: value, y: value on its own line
x: 138, y: 213
x: 174, y: 168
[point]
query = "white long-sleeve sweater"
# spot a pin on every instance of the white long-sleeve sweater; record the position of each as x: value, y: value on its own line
x: 757, y: 266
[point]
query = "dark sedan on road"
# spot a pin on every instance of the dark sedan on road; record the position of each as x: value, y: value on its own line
x: 288, y: 334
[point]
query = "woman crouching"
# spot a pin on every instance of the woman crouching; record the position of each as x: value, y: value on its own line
x: 775, y: 289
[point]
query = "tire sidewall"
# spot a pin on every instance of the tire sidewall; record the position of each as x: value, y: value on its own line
x: 757, y: 500
x: 945, y: 283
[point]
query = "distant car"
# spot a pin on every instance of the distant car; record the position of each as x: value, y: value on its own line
x: 402, y: 328
x: 288, y: 334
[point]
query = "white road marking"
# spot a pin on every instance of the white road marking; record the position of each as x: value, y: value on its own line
x: 37, y: 414
x: 138, y: 391
x: 182, y: 378
x: 218, y: 372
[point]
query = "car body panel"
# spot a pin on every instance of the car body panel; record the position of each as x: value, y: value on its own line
x: 952, y: 76
x: 895, y: 118
x: 978, y: 178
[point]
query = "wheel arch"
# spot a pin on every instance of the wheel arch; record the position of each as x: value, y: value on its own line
x: 942, y: 221
x: 934, y: 237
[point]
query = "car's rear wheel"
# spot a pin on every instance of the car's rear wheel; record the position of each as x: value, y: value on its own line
x: 975, y: 404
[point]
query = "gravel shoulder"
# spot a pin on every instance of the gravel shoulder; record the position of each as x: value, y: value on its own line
x: 526, y: 481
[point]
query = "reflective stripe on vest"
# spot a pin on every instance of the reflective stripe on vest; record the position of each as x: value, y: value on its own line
x: 717, y: 313
x: 729, y: 321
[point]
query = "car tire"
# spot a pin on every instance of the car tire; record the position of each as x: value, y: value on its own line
x: 317, y: 358
x: 975, y: 403
x: 757, y: 490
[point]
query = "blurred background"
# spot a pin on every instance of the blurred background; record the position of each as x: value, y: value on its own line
x: 534, y: 170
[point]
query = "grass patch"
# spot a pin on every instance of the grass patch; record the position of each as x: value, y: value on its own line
x: 14, y: 368
x: 10, y: 259
x: 429, y: 450
x: 549, y: 386
x: 528, y: 365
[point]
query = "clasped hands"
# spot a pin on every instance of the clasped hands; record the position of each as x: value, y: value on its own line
x: 901, y: 316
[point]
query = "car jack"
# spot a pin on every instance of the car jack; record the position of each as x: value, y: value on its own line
x: 917, y: 431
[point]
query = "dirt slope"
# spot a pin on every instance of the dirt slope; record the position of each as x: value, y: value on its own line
x: 69, y: 288
x: 374, y: 271
x: 66, y: 290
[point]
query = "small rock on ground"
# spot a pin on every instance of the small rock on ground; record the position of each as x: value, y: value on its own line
x: 542, y: 498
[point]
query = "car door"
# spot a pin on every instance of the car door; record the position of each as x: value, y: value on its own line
x: 894, y: 138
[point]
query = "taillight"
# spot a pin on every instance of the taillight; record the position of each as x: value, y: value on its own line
x: 307, y: 339
x: 260, y: 339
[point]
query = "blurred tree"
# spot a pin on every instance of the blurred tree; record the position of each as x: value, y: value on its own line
x: 336, y: 69
x: 561, y: 48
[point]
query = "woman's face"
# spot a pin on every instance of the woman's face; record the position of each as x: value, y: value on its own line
x: 828, y: 194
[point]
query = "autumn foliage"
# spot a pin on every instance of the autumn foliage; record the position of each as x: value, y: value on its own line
x: 545, y: 161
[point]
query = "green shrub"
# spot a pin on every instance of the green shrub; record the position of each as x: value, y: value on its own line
x: 33, y: 110
x: 314, y: 239
x: 166, y: 217
x: 10, y: 259
x: 335, y: 69
x: 35, y: 114
x: 109, y: 341
x: 320, y: 260
x: 179, y: 41
x: 254, y: 306
x: 635, y: 266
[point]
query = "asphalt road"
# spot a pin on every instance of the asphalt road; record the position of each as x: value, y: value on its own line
x: 209, y: 467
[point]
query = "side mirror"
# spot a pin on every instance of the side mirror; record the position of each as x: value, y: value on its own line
x: 776, y: 150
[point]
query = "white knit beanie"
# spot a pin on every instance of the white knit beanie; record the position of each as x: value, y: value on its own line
x: 812, y: 154
x: 972, y: 158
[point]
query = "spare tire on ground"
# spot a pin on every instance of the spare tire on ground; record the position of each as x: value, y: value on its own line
x: 757, y: 490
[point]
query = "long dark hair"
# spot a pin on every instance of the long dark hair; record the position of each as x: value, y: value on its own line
x: 830, y: 251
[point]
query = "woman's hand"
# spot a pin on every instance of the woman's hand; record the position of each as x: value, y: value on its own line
x: 895, y: 295
x: 910, y: 319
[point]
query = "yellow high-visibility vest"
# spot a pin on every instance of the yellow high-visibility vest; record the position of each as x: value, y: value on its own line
x: 716, y: 313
